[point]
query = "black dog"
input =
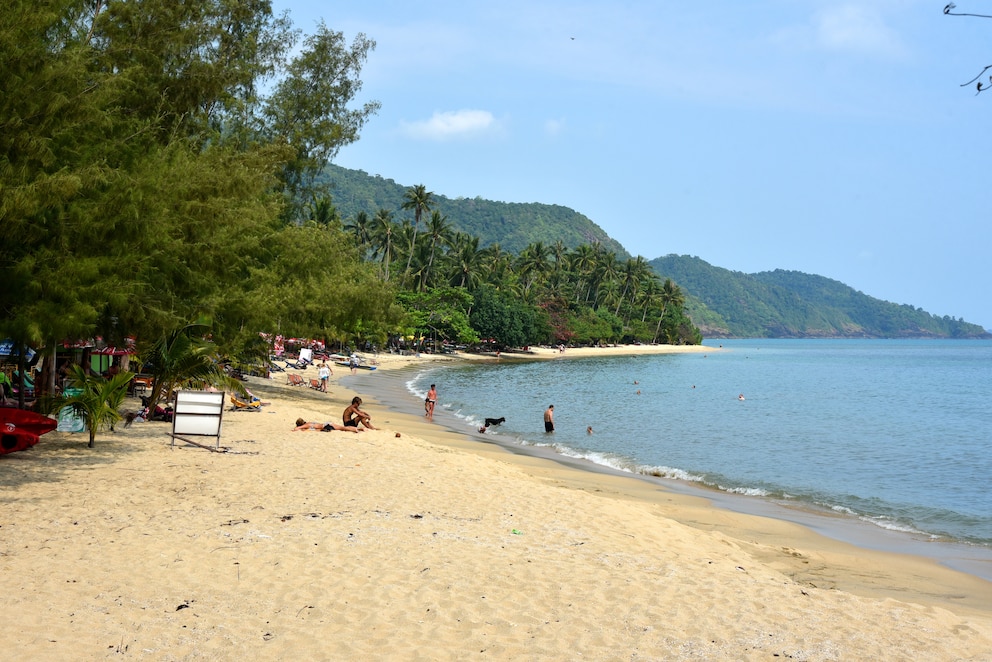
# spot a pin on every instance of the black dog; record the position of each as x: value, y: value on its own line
x: 495, y: 421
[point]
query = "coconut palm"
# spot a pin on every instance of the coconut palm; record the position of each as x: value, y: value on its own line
x: 382, y: 233
x: 671, y: 295
x: 532, y: 263
x: 183, y: 358
x: 419, y: 200
x: 439, y: 231
x: 96, y: 400
x: 361, y: 227
x: 466, y: 270
x: 582, y: 261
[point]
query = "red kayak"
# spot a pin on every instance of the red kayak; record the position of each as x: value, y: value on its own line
x: 20, y: 429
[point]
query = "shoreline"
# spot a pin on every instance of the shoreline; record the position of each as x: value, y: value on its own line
x: 839, y: 529
x: 419, y: 541
x: 844, y: 529
x: 851, y: 529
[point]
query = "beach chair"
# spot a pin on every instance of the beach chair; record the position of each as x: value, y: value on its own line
x: 294, y: 380
x: 238, y: 404
x: 315, y: 384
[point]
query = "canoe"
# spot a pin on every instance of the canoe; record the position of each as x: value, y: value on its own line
x: 21, y: 429
x: 345, y: 364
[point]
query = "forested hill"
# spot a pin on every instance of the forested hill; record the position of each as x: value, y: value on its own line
x: 513, y: 225
x: 722, y: 303
x: 791, y: 304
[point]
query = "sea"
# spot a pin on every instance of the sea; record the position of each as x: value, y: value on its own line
x: 884, y: 443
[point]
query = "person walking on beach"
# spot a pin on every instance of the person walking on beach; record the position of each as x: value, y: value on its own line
x: 549, y: 419
x: 353, y: 415
x: 430, y: 402
x: 323, y: 373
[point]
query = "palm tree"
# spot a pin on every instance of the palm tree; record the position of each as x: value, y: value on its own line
x: 648, y: 295
x: 382, y: 237
x: 560, y: 254
x: 96, y: 400
x: 322, y: 211
x: 439, y: 231
x: 181, y: 359
x: 533, y: 263
x: 361, y: 227
x: 467, y: 261
x: 581, y: 262
x: 496, y: 265
x: 634, y: 272
x: 604, y: 274
x: 670, y: 295
x: 418, y: 199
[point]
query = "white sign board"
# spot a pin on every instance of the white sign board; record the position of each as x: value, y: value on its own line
x: 197, y: 413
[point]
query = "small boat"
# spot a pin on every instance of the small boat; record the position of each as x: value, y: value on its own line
x: 345, y: 364
x: 20, y: 429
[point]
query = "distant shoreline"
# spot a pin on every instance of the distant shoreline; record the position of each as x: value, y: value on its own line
x: 960, y: 557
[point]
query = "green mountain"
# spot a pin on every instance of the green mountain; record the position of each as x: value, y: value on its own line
x: 722, y: 303
x: 514, y: 225
x: 791, y: 304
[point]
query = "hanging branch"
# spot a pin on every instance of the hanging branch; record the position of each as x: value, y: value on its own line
x: 980, y: 86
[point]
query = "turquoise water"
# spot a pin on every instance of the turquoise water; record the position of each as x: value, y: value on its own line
x: 894, y: 432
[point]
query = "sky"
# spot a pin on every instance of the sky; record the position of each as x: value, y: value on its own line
x: 829, y: 137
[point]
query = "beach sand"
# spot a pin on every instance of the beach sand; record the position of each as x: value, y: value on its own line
x: 416, y: 543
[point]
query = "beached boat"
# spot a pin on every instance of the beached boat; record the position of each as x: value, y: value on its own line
x: 345, y: 364
x: 20, y: 429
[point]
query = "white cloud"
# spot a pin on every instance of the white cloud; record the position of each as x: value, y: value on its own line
x: 846, y: 28
x: 554, y: 127
x: 855, y: 28
x: 452, y: 125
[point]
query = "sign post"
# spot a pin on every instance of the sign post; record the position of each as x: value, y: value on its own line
x: 198, y: 413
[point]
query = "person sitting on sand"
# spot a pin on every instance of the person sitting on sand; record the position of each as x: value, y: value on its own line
x: 353, y: 415
x: 302, y: 426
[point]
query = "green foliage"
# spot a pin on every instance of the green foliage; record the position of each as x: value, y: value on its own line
x: 97, y: 400
x: 513, y: 225
x: 443, y: 310
x: 792, y: 304
x: 147, y: 180
x: 183, y: 358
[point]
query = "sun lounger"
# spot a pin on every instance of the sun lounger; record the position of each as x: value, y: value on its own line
x: 294, y: 380
x: 237, y: 404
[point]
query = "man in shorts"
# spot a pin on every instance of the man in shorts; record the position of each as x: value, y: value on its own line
x: 549, y: 419
x: 353, y: 415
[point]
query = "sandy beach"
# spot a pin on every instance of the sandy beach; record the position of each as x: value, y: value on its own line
x: 415, y: 543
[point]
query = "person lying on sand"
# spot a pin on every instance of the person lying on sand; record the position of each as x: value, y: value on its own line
x: 352, y: 416
x: 302, y: 425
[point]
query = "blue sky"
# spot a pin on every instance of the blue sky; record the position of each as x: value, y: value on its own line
x: 832, y: 138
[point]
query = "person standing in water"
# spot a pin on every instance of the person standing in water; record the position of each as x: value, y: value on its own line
x: 549, y: 419
x: 429, y: 402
